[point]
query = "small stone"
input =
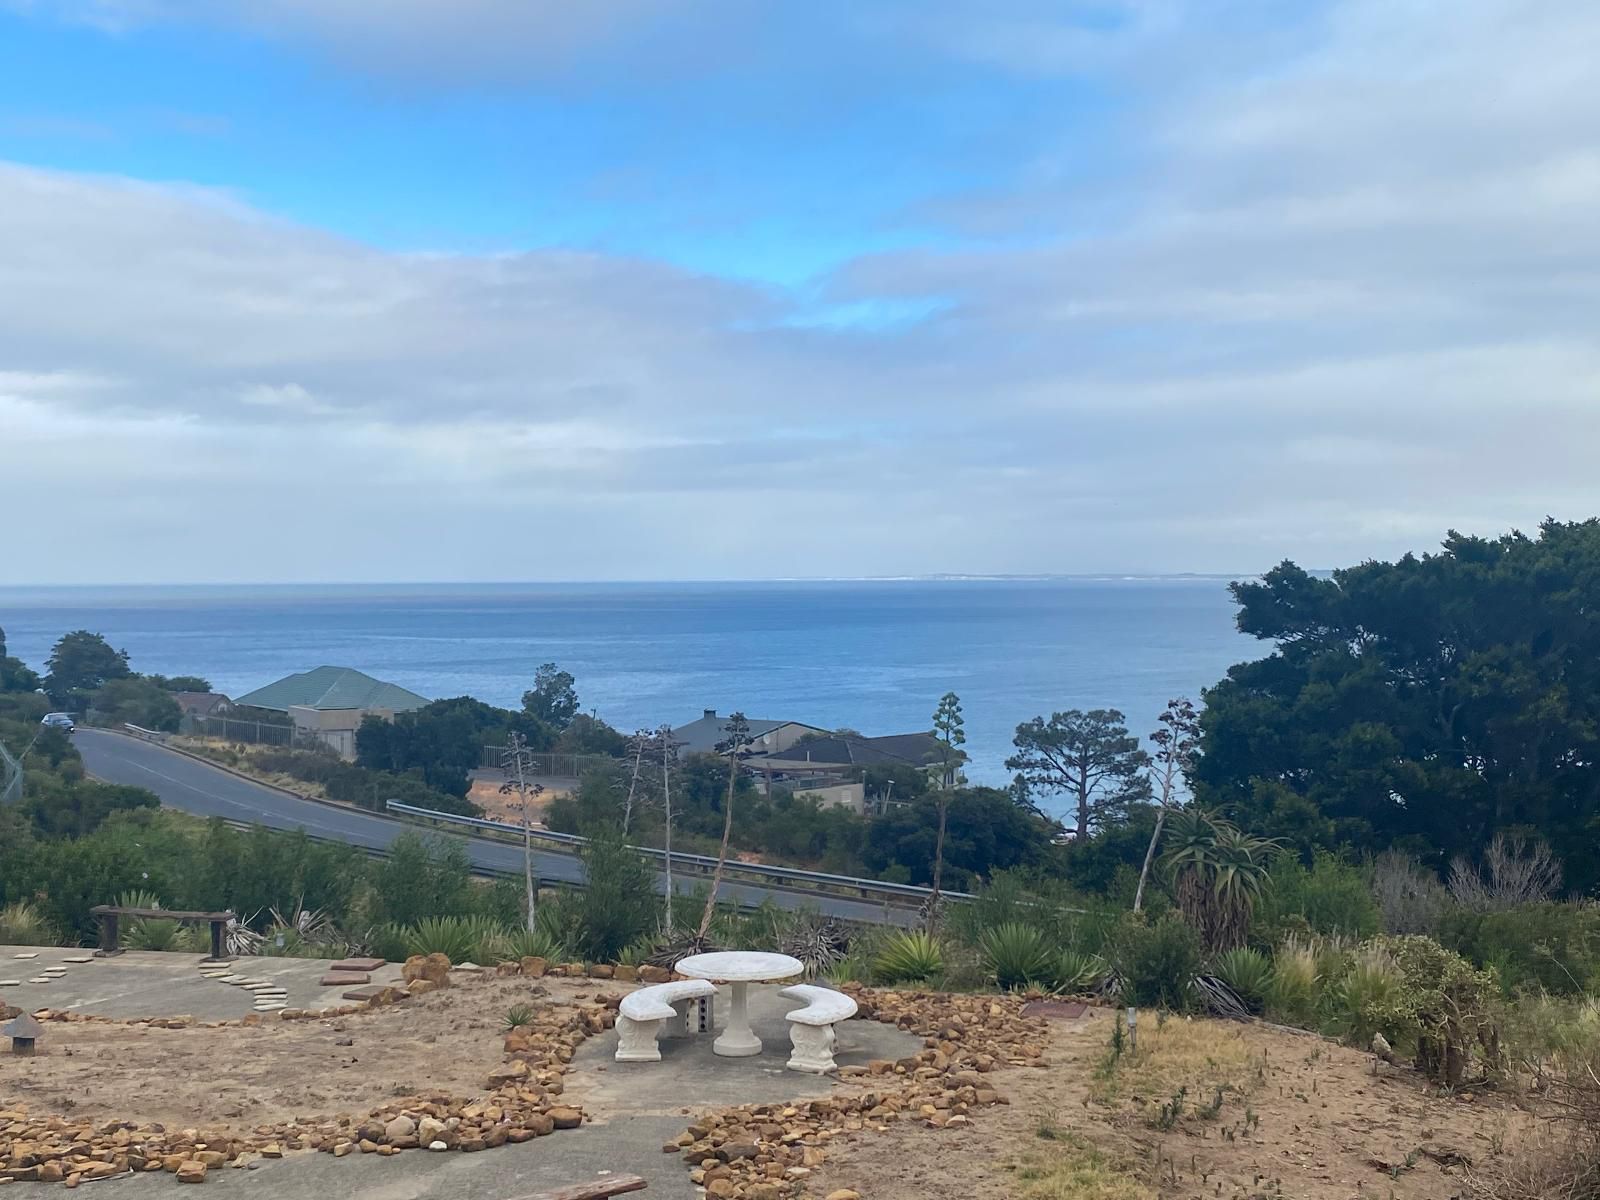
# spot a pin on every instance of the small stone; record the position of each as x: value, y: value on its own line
x: 343, y: 1148
x: 400, y: 1127
x: 844, y: 1194
x: 192, y: 1172
x: 566, y: 1118
x: 437, y: 1146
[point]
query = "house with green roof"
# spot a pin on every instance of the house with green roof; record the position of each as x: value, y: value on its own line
x: 328, y: 704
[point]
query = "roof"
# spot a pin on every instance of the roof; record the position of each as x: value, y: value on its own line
x: 910, y: 749
x: 201, y: 704
x: 331, y: 688
x: 710, y: 731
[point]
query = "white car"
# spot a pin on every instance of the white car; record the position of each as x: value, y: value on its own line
x: 59, y: 721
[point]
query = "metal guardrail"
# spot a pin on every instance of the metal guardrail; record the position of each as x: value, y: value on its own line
x: 867, y: 888
x: 148, y: 735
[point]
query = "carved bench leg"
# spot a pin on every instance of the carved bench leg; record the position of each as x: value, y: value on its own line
x: 813, y: 1048
x: 636, y: 1040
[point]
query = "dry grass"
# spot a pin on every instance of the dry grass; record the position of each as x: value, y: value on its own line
x: 1198, y: 1056
x: 1073, y: 1169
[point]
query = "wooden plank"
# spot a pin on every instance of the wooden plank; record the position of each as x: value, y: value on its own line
x: 102, y: 910
x: 599, y: 1189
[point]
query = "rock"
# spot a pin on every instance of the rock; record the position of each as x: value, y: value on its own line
x: 433, y: 967
x: 420, y: 987
x: 343, y: 1148
x: 565, y: 1118
x: 510, y: 1073
x: 430, y: 1129
x: 272, y: 1150
x: 601, y: 971
x: 400, y: 1127
x: 649, y: 974
x: 844, y: 1194
x: 436, y: 1146
x: 192, y: 1172
x: 626, y: 974
x: 534, y: 967
x: 51, y: 1173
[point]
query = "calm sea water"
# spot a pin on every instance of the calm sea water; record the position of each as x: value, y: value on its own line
x: 874, y: 656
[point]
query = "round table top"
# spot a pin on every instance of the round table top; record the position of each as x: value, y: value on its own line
x: 739, y: 966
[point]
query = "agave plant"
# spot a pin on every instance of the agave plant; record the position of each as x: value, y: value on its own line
x: 1246, y: 972
x: 457, y: 938
x: 908, y: 955
x: 1018, y: 955
x: 148, y: 933
x: 1078, y: 972
x: 512, y: 945
x: 817, y: 944
x: 23, y: 923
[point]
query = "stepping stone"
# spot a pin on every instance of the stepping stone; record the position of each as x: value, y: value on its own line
x: 40, y: 979
x: 79, y: 958
x: 359, y: 966
x: 271, y: 993
x: 29, y: 954
x: 271, y: 1007
x: 364, y: 993
x: 344, y: 978
x: 10, y: 983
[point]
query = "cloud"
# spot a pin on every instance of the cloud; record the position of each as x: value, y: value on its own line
x: 1331, y: 306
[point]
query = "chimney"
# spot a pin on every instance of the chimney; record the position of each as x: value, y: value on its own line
x: 711, y: 714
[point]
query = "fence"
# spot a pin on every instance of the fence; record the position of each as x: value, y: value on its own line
x: 261, y: 733
x: 792, y: 878
x: 551, y: 765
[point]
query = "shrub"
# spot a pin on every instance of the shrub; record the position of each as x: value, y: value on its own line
x: 1409, y: 898
x: 1156, y: 961
x: 617, y: 905
x: 1551, y: 946
x: 1330, y: 897
x: 1449, y: 1006
x: 1366, y: 998
x: 1018, y: 956
x: 1247, y: 972
x: 147, y: 933
x: 22, y: 923
x: 1292, y: 991
x: 909, y: 955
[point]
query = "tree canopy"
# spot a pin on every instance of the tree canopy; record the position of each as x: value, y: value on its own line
x: 553, y: 699
x: 81, y: 662
x: 1089, y: 757
x: 1424, y: 704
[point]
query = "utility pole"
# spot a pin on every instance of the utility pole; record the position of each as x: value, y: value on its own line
x: 518, y: 760
x: 669, y: 759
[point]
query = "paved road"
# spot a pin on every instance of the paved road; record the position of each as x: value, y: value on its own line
x: 196, y: 787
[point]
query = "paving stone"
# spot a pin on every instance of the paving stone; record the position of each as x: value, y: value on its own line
x: 344, y: 978
x: 358, y: 965
x: 10, y: 983
x: 364, y: 993
x: 40, y: 979
x: 79, y: 958
x: 28, y: 954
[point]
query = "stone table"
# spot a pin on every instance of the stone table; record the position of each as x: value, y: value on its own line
x: 739, y: 969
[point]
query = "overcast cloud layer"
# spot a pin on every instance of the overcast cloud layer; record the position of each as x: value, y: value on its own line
x: 1335, y: 298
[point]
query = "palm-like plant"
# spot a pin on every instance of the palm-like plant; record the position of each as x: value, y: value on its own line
x: 1217, y: 873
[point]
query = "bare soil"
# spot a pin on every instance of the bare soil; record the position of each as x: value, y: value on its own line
x: 1297, y: 1117
x: 446, y: 1041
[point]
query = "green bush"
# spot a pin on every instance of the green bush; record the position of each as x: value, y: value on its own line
x: 1449, y: 1007
x: 1156, y: 961
x: 617, y: 905
x: 457, y: 938
x: 1367, y: 999
x: 1547, y: 945
x: 1018, y: 956
x: 1247, y: 971
x: 1331, y: 897
x: 907, y: 956
x: 513, y: 945
x: 23, y: 923
x: 1293, y: 990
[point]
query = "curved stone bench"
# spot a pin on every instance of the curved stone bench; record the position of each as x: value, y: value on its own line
x: 642, y: 1013
x: 811, y: 1028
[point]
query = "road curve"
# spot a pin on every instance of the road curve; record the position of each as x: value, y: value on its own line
x: 196, y: 787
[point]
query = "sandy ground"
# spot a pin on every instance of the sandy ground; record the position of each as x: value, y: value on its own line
x: 446, y: 1041
x: 1299, y: 1117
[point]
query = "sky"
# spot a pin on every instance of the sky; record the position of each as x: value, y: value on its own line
x: 329, y: 290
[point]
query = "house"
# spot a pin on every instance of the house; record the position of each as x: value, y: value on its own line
x: 827, y: 767
x: 710, y: 731
x: 200, y: 705
x: 328, y: 704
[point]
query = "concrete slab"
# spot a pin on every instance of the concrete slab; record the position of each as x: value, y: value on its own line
x: 142, y: 983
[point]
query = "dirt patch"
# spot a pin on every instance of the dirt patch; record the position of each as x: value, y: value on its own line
x: 1295, y: 1117
x: 444, y: 1042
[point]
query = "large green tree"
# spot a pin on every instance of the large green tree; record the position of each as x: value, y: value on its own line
x: 1088, y: 757
x: 553, y: 700
x: 14, y: 673
x: 80, y: 663
x: 1424, y: 704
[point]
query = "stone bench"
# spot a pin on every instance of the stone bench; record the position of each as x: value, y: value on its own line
x: 811, y: 1028
x: 641, y: 1015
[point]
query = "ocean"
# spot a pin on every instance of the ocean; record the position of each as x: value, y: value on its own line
x: 872, y: 655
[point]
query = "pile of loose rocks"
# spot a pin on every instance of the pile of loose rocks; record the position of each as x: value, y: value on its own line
x: 522, y: 1102
x: 767, y: 1151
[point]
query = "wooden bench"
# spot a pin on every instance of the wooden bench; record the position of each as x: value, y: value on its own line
x: 110, y: 916
x: 641, y: 1015
x: 600, y: 1189
x: 811, y: 1028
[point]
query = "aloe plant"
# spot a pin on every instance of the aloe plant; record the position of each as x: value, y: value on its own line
x: 1018, y: 955
x: 1246, y: 971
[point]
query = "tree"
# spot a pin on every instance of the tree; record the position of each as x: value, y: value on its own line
x: 553, y: 700
x: 517, y: 761
x: 137, y: 701
x: 1175, y: 744
x: 443, y: 741
x: 735, y: 745
x: 1424, y: 704
x: 14, y: 673
x: 81, y: 662
x: 1088, y: 756
x: 1217, y: 876
x: 181, y: 683
x: 950, y: 729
